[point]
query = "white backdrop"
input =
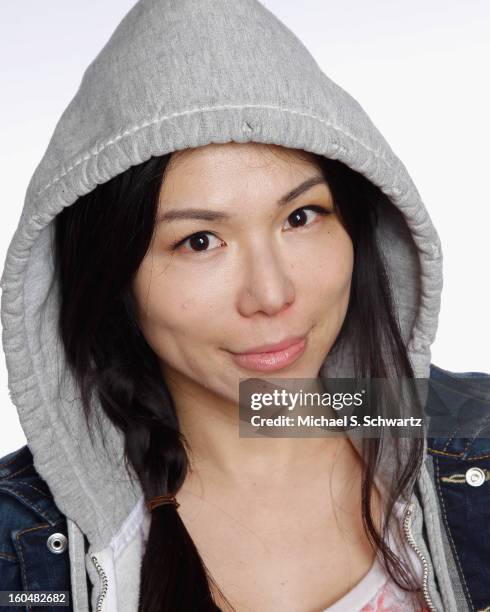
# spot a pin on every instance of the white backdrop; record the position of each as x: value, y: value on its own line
x: 418, y: 67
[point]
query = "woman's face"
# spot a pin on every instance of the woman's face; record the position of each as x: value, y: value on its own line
x: 247, y: 251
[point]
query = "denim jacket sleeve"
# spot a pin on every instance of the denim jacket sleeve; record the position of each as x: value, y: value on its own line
x: 461, y: 462
x: 33, y: 532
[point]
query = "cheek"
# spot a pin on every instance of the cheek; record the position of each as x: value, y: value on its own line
x: 328, y: 280
x: 171, y: 318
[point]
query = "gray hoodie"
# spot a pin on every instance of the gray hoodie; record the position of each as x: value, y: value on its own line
x: 178, y: 74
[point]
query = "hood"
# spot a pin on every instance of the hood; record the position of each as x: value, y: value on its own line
x: 177, y: 74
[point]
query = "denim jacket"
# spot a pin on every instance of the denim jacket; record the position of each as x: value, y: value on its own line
x: 33, y: 532
x: 461, y: 470
x: 33, y: 535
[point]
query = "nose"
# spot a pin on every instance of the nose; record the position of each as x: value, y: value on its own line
x: 267, y: 287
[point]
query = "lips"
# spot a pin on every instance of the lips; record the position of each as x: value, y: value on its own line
x: 269, y: 357
x: 271, y: 348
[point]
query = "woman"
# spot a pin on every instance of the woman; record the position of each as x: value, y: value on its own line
x: 210, y: 193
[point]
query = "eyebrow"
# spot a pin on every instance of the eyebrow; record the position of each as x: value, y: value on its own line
x: 217, y: 215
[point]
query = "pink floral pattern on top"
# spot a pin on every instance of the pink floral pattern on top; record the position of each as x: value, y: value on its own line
x: 391, y: 598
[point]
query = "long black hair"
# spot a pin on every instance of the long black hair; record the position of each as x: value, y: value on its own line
x: 100, y: 243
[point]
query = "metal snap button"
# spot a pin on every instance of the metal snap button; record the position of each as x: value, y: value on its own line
x: 475, y: 476
x: 57, y: 543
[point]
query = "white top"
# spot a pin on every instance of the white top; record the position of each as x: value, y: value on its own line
x: 377, y: 590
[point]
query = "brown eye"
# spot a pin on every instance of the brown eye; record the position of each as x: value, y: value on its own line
x: 198, y: 242
x: 300, y: 218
